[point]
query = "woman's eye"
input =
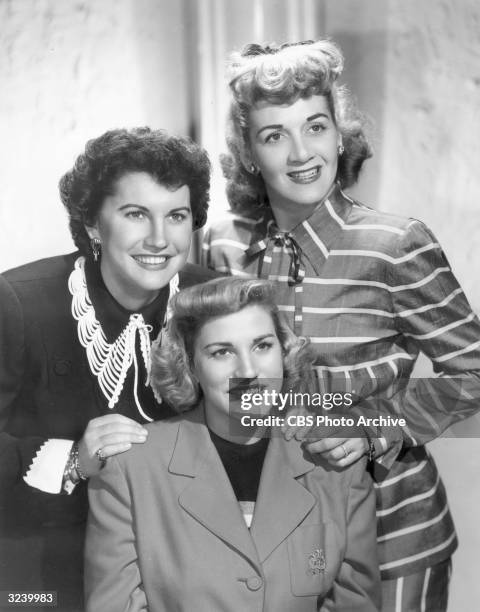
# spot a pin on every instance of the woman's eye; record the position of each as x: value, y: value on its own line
x: 178, y: 217
x: 219, y: 353
x: 273, y: 137
x: 317, y: 128
x: 264, y: 346
x: 135, y: 214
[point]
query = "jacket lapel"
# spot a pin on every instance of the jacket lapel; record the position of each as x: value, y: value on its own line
x: 208, y: 496
x: 282, y: 502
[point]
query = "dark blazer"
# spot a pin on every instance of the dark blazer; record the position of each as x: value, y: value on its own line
x: 166, y: 532
x: 47, y: 391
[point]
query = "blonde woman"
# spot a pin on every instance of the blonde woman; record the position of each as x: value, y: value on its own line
x: 213, y: 515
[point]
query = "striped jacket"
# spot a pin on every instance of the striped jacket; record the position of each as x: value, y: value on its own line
x: 372, y: 290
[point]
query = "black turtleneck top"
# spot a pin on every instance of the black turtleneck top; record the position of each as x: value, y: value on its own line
x: 243, y: 464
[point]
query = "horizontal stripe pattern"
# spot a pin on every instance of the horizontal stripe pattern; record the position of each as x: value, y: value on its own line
x: 367, y: 283
x: 422, y: 591
x: 388, y: 482
x: 424, y: 554
x: 409, y: 500
x: 377, y: 291
x: 413, y: 528
x: 379, y: 255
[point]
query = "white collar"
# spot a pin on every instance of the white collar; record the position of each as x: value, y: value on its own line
x: 110, y: 362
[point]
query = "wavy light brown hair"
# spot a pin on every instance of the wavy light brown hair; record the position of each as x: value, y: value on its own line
x: 172, y: 356
x: 282, y: 75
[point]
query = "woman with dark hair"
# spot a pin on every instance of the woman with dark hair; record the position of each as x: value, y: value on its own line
x: 370, y: 290
x: 75, y: 335
x: 228, y: 516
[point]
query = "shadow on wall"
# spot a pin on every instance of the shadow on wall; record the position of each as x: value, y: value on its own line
x: 365, y: 76
x: 160, y: 33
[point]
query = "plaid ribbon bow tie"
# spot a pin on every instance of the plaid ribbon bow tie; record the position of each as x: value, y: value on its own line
x: 276, y: 238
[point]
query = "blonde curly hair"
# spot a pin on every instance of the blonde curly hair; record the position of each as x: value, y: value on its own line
x: 172, y: 355
x: 281, y: 75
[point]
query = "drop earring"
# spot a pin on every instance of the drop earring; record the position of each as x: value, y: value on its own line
x: 95, y: 245
x: 340, y: 149
x: 254, y: 169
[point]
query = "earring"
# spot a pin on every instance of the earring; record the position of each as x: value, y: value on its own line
x: 254, y: 169
x: 95, y: 245
x: 340, y: 149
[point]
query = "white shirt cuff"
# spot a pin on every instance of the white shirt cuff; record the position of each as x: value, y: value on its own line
x: 47, y: 468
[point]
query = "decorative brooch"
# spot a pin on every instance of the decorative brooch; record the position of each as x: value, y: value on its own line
x: 316, y: 562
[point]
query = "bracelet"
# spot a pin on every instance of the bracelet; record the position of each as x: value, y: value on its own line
x: 73, y: 473
x: 70, y: 474
x: 371, y: 452
x: 76, y: 462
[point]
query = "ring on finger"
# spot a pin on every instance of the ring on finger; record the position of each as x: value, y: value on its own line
x: 345, y: 451
x: 101, y: 457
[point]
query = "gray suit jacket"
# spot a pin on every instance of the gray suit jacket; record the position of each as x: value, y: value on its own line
x: 166, y: 532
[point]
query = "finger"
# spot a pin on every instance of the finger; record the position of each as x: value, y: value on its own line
x: 290, y: 425
x: 335, y: 454
x: 359, y: 445
x: 347, y: 453
x: 115, y: 449
x: 352, y: 446
x: 299, y: 432
x: 120, y: 428
x: 111, y: 419
x: 346, y: 461
x: 120, y: 438
x: 324, y: 445
x: 93, y: 442
x: 97, y: 463
x: 288, y: 431
x: 302, y: 432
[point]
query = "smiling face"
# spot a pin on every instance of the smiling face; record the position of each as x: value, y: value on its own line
x: 295, y: 146
x: 243, y: 345
x: 145, y: 230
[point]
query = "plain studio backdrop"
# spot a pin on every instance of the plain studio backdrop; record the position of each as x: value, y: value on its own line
x: 71, y: 69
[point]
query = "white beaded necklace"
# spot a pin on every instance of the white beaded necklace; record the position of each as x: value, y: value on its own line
x: 110, y: 362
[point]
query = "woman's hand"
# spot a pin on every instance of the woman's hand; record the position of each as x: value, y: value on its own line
x: 339, y: 452
x: 112, y: 434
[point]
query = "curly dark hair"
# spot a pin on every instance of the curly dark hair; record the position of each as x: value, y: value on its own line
x: 172, y: 355
x: 170, y: 160
x: 282, y: 75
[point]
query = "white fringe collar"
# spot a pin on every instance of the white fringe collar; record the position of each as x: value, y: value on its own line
x: 110, y: 362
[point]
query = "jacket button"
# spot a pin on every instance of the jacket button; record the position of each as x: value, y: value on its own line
x: 254, y: 583
x: 62, y: 367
